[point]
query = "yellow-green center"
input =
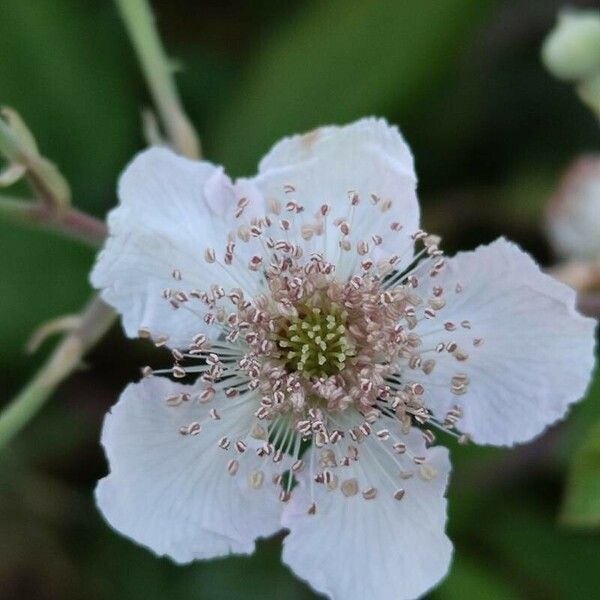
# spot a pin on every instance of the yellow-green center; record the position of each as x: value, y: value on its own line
x: 315, y: 342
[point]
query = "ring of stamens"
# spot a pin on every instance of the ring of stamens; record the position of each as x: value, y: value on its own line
x: 311, y: 346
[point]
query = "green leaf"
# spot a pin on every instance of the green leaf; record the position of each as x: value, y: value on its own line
x: 66, y: 67
x: 581, y: 507
x: 338, y: 61
x: 469, y: 578
x: 45, y: 276
x: 551, y: 562
x: 580, y: 449
x: 583, y: 413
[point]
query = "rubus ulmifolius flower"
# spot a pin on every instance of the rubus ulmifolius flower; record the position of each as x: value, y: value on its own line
x: 321, y: 343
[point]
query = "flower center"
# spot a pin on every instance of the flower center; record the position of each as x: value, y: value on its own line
x: 316, y: 342
x: 327, y: 355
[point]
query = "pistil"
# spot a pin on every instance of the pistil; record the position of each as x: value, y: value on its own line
x: 316, y: 343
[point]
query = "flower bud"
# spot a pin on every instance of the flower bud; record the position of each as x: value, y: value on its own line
x: 573, y: 215
x: 571, y: 50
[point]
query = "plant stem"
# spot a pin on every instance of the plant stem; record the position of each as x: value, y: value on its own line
x: 140, y: 25
x: 8, y: 145
x: 71, y: 222
x: 18, y: 145
x: 96, y: 319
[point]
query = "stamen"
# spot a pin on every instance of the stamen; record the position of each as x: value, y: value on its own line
x: 307, y: 346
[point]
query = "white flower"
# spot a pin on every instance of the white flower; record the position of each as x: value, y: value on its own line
x: 326, y: 354
x: 573, y: 215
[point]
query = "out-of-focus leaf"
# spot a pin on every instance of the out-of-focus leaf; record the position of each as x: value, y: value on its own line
x: 556, y: 563
x: 43, y: 276
x: 469, y: 578
x: 581, y: 506
x: 338, y: 61
x: 250, y: 577
x: 120, y: 569
x: 581, y: 418
x: 66, y: 68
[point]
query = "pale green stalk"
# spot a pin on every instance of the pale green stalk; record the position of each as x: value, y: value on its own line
x: 18, y: 146
x: 96, y: 319
x: 70, y: 222
x: 158, y: 72
x: 8, y: 145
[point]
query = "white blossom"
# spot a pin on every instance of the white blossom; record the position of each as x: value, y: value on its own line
x: 325, y: 342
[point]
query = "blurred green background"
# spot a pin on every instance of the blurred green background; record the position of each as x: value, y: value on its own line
x: 491, y: 132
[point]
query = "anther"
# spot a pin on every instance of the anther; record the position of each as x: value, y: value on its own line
x: 399, y: 447
x: 194, y: 428
x: 369, y: 493
x: 160, y: 341
x: 429, y: 437
x: 206, y: 395
x: 428, y: 366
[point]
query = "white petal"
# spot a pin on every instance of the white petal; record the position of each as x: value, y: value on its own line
x: 328, y: 165
x: 536, y: 354
x: 173, y: 493
x: 381, y: 548
x: 171, y: 210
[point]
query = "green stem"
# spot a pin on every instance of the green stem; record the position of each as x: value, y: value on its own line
x: 96, y: 319
x: 8, y: 145
x: 18, y: 146
x: 140, y: 25
x: 70, y: 223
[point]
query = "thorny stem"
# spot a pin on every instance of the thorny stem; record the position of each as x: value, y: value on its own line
x: 96, y: 319
x: 71, y: 223
x: 158, y: 72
